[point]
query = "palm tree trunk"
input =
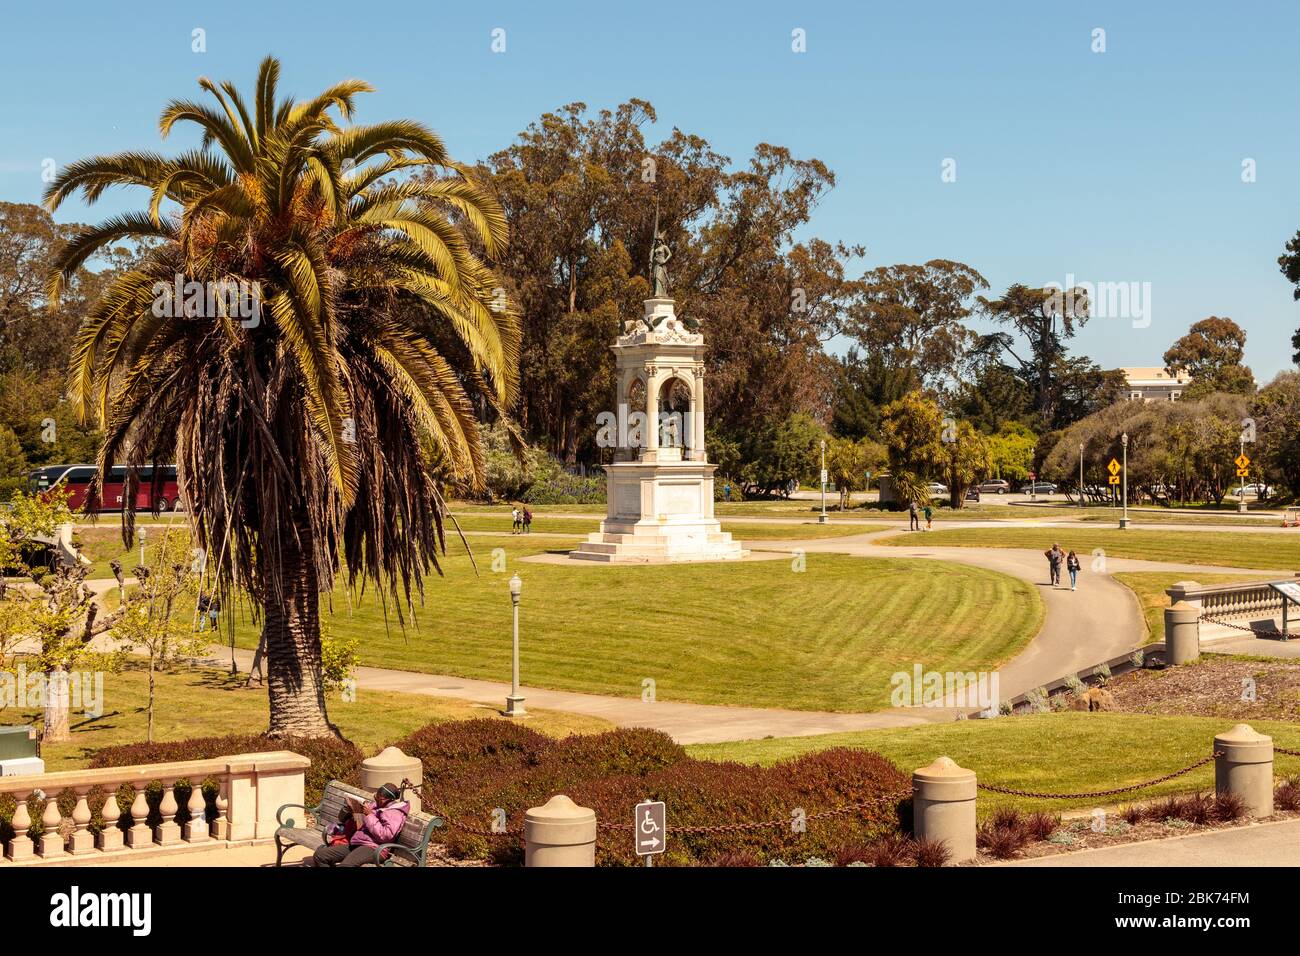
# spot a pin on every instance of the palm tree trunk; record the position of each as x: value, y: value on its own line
x: 293, y: 653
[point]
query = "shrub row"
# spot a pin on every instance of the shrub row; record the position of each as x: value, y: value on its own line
x: 473, y: 768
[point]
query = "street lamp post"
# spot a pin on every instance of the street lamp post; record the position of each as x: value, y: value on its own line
x: 1081, y: 475
x: 1123, y: 521
x: 822, y: 518
x: 515, y: 703
x: 143, y: 534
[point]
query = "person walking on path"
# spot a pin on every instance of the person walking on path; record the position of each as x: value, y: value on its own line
x: 1072, y: 565
x: 1054, y: 557
x: 929, y: 515
x: 514, y: 520
x: 913, y: 519
x: 528, y: 521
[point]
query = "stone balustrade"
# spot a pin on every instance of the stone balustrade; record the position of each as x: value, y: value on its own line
x: 249, y: 790
x: 1253, y: 599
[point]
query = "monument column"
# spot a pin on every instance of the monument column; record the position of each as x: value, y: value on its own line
x: 651, y: 444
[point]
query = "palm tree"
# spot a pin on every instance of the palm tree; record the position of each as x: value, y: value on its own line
x: 309, y: 413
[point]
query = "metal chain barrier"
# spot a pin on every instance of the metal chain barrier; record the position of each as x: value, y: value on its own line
x: 717, y: 828
x: 863, y: 805
x: 1266, y: 632
x: 1098, y: 793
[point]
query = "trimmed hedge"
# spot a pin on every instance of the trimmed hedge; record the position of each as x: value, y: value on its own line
x: 472, y: 768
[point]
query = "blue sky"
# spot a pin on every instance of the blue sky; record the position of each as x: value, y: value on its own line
x: 1122, y: 166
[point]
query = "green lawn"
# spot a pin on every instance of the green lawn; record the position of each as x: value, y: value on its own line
x: 1058, y: 753
x: 755, y: 633
x: 1279, y: 550
x: 200, y: 702
x: 1150, y: 587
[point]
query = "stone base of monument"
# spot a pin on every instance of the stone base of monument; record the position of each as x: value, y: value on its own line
x: 659, y: 512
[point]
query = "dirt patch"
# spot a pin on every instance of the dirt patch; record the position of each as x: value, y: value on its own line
x: 1231, y: 688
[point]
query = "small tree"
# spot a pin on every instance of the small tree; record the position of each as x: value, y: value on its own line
x: 149, y: 621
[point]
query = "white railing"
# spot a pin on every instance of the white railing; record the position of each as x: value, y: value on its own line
x: 1226, y: 601
x: 249, y: 789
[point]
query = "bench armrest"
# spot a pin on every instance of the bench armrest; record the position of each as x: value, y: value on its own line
x: 416, y: 853
x: 290, y: 822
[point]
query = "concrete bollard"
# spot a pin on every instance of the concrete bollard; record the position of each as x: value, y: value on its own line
x: 561, y: 833
x: 943, y: 807
x: 1246, y: 768
x: 1182, y: 633
x: 390, y: 765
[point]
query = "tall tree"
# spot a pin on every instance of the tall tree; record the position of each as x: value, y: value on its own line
x: 1046, y: 319
x: 304, y: 433
x: 912, y: 316
x: 1289, y: 263
x: 1211, y: 354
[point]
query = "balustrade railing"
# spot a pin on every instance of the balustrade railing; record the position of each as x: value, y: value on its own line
x: 245, y: 791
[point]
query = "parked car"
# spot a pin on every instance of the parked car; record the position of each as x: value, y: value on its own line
x: 1039, y: 488
x: 938, y: 488
x: 994, y: 486
x: 973, y: 493
x: 1257, y: 489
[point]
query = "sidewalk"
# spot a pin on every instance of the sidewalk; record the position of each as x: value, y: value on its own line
x: 1259, y: 844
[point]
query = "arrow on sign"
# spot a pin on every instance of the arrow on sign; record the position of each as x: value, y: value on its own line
x: 652, y: 842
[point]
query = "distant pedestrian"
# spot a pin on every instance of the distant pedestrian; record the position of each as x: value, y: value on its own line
x: 528, y: 520
x: 214, y: 609
x: 1072, y: 565
x: 929, y: 516
x: 1055, y: 556
x: 726, y: 492
x: 515, y: 520
x: 913, y: 517
x: 203, y: 602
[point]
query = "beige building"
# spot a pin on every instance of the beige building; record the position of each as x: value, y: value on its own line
x: 1155, y: 384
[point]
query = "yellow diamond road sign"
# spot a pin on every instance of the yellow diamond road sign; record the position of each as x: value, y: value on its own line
x: 1113, y: 467
x: 1242, y: 461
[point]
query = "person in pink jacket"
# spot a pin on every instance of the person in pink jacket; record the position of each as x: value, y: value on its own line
x: 352, y: 843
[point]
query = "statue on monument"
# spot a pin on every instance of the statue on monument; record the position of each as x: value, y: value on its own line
x: 659, y: 256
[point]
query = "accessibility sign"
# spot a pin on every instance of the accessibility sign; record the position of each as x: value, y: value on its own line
x: 650, y: 827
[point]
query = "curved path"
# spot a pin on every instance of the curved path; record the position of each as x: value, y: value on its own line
x: 1101, y: 620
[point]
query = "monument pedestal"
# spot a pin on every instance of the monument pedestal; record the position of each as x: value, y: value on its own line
x: 659, y: 512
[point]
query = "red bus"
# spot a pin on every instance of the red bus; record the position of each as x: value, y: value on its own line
x: 76, y: 478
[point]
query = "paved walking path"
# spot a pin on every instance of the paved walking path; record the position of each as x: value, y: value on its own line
x: 1258, y: 844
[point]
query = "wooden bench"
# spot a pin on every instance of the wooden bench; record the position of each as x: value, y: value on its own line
x: 411, y: 847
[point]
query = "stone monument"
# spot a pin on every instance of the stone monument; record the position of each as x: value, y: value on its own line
x: 660, y: 485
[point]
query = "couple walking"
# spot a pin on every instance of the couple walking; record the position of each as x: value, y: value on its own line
x: 1055, y: 558
x: 914, y: 517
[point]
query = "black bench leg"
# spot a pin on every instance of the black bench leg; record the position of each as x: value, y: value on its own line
x: 280, y: 850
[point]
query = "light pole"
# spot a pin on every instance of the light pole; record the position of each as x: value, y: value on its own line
x: 1081, y: 475
x: 1123, y: 521
x: 515, y: 703
x: 822, y: 519
x: 143, y: 533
